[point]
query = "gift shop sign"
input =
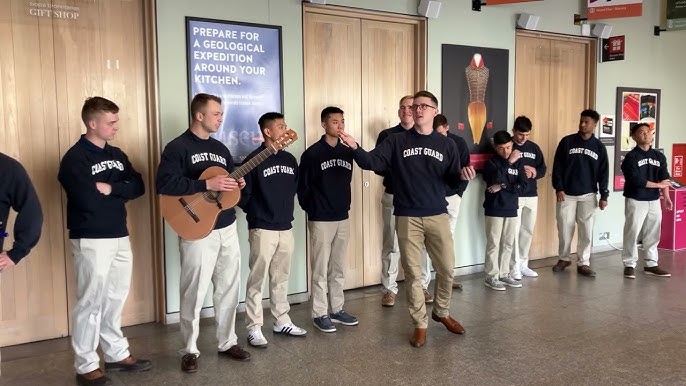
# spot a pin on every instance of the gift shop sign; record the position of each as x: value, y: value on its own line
x: 57, y: 11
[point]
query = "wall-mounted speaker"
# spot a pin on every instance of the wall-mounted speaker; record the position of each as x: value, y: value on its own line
x: 528, y: 21
x: 429, y: 8
x: 601, y: 30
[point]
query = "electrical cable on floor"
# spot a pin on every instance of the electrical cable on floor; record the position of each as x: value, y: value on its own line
x: 613, y: 246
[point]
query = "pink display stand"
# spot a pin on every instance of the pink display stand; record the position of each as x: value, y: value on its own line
x: 673, y: 236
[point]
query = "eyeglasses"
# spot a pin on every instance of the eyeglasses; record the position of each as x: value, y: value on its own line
x: 422, y: 107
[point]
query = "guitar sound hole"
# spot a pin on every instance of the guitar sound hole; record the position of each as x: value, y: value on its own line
x: 212, y: 196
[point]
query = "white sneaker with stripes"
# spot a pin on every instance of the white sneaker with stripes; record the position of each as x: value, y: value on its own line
x: 289, y: 329
x: 256, y: 339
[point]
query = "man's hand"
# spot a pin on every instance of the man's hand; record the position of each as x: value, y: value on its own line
x: 5, y: 261
x: 241, y: 183
x: 467, y: 173
x: 104, y: 188
x: 221, y: 183
x: 494, y: 188
x: 602, y: 204
x: 560, y: 196
x: 530, y: 171
x: 348, y: 139
x: 514, y: 156
x: 668, y: 204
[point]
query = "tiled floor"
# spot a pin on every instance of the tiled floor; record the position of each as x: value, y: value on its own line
x: 559, y: 329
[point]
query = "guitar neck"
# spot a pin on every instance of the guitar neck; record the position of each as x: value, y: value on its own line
x: 244, y: 169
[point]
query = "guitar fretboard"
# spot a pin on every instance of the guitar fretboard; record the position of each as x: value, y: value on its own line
x: 252, y: 163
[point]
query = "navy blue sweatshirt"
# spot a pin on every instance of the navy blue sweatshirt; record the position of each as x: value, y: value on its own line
x: 387, y: 178
x: 531, y: 156
x: 581, y: 166
x: 503, y: 203
x: 268, y: 196
x: 421, y: 166
x: 91, y: 214
x: 639, y: 167
x: 17, y: 192
x: 463, y: 150
x: 324, y: 181
x: 183, y: 161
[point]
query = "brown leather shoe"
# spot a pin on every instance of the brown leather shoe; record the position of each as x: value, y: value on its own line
x: 456, y: 284
x: 585, y: 270
x: 236, y: 352
x: 561, y: 265
x: 388, y: 299
x: 189, y: 363
x: 93, y: 378
x: 129, y: 364
x: 451, y: 324
x: 419, y: 337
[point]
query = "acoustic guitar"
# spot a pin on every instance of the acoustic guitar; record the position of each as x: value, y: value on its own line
x: 194, y: 216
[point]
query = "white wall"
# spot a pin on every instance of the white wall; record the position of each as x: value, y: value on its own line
x: 651, y: 62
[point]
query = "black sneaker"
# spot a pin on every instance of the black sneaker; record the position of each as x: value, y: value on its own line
x: 585, y: 270
x: 656, y: 271
x: 629, y: 272
x: 561, y: 265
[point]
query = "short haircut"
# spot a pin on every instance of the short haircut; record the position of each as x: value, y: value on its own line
x: 440, y: 120
x: 330, y: 110
x: 502, y: 137
x: 268, y: 118
x: 200, y: 101
x: 403, y: 99
x: 637, y: 126
x: 426, y: 94
x: 522, y: 124
x: 591, y: 114
x: 96, y: 105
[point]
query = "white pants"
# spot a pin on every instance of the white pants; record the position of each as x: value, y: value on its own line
x: 500, y: 239
x: 526, y: 221
x: 215, y: 258
x: 328, y: 243
x: 270, y: 254
x: 103, y: 277
x: 579, y: 210
x: 390, y: 252
x: 643, y: 219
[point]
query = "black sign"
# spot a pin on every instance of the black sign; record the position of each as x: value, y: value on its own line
x: 612, y: 49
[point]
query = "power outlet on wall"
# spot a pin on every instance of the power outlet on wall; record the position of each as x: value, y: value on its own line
x: 604, y: 236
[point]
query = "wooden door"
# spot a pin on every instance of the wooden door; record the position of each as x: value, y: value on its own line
x: 33, y: 298
x: 363, y: 62
x: 95, y: 58
x: 332, y: 78
x: 554, y: 78
x: 123, y: 81
x: 388, y: 73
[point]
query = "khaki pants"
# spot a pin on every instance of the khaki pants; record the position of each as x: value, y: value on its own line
x: 216, y: 258
x: 328, y: 243
x: 390, y: 252
x: 433, y: 232
x: 270, y: 253
x: 500, y: 239
x: 103, y: 277
x: 579, y: 210
x: 526, y: 222
x: 643, y: 219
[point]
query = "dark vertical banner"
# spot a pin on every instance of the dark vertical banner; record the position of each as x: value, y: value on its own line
x: 240, y: 63
x: 474, y: 95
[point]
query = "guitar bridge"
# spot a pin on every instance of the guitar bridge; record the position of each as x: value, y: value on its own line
x: 189, y: 210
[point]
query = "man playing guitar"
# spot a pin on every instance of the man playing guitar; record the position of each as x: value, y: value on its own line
x: 216, y: 257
